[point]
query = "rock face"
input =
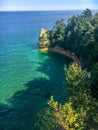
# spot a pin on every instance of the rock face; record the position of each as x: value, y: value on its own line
x: 43, y: 39
x: 43, y: 32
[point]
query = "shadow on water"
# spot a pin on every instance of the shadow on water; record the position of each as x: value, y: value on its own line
x: 25, y: 104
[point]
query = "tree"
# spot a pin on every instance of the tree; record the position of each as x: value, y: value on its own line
x: 94, y: 80
x: 81, y: 94
x: 57, y: 33
x: 79, y: 113
x: 87, y: 14
x: 80, y: 36
x: 74, y: 75
x: 58, y: 115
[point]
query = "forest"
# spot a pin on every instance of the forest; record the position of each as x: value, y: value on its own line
x: 80, y: 36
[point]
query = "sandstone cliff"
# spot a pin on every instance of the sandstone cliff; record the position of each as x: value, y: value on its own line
x: 43, y: 39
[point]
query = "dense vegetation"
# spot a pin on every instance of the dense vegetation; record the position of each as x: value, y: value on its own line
x: 80, y: 112
x: 79, y: 35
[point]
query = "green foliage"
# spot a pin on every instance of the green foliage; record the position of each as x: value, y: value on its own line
x: 47, y: 119
x: 81, y: 94
x: 74, y: 75
x: 94, y: 74
x: 79, y: 113
x: 94, y: 80
x: 60, y: 115
x: 57, y: 33
x: 65, y: 115
x: 80, y: 36
x: 87, y: 14
x: 75, y: 80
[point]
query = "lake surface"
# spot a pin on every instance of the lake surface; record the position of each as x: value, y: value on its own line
x: 28, y: 77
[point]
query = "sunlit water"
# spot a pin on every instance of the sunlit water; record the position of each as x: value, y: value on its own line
x: 28, y: 77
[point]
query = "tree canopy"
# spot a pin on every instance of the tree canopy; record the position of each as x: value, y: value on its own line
x: 80, y: 112
x: 79, y: 35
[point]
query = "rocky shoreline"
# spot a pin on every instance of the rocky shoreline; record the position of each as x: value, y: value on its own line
x: 66, y: 53
x: 63, y: 52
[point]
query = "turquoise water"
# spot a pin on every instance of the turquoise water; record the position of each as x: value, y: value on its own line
x: 28, y: 77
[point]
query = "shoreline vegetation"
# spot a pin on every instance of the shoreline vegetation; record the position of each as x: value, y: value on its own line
x: 78, y: 39
x: 44, y: 42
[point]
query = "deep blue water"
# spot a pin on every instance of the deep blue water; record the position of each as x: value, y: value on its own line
x: 28, y: 76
